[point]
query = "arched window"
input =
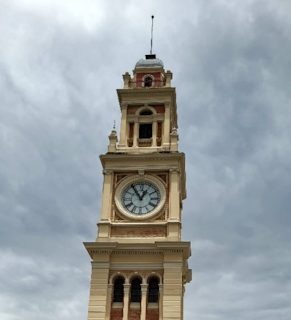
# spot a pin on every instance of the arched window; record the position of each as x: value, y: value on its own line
x: 153, y: 290
x: 148, y: 81
x: 136, y: 290
x: 118, y: 290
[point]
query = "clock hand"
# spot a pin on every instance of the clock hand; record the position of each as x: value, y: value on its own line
x: 143, y: 194
x: 136, y: 192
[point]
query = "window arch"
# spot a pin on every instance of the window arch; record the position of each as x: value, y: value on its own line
x: 153, y: 295
x: 135, y: 290
x: 146, y: 112
x: 118, y: 290
x: 148, y: 81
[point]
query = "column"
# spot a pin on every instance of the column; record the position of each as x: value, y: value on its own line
x: 144, y: 289
x: 167, y: 122
x: 183, y: 294
x: 106, y: 194
x: 98, y: 291
x: 172, y: 295
x: 161, y: 297
x: 154, y: 137
x: 108, y: 301
x: 123, y: 141
x: 135, y: 134
x: 126, y: 288
x: 174, y: 213
x: 174, y: 222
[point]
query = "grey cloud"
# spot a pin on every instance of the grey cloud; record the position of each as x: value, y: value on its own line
x: 59, y: 72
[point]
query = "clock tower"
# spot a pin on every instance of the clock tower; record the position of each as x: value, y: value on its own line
x: 139, y: 263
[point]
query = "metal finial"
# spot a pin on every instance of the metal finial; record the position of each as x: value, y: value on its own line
x: 114, y: 125
x: 152, y: 34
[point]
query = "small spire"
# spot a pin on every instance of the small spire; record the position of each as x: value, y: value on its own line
x: 114, y: 125
x: 152, y: 34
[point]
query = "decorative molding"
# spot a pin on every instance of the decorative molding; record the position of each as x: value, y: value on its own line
x: 153, y: 275
x: 173, y: 251
x: 141, y: 172
x: 136, y: 274
x: 139, y: 252
x: 107, y: 171
x: 145, y: 107
x: 116, y: 275
x: 100, y: 265
x: 149, y: 231
x: 100, y: 251
x: 173, y: 264
x: 136, y: 266
x: 142, y: 157
x: 175, y: 170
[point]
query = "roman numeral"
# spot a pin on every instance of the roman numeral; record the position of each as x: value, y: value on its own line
x: 152, y: 204
x: 127, y: 199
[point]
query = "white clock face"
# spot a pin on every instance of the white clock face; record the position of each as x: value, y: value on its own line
x: 140, y: 198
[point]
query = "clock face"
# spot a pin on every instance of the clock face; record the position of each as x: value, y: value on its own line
x: 140, y: 198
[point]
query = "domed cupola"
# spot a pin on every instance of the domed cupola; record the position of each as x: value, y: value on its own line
x: 149, y: 61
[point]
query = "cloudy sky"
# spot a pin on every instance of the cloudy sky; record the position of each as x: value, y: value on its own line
x: 60, y: 64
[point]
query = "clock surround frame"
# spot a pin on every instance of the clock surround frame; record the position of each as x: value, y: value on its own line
x: 160, y: 185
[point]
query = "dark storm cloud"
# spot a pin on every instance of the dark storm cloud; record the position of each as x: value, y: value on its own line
x: 60, y: 64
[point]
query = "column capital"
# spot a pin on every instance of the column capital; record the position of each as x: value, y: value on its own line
x: 167, y: 104
x: 107, y: 171
x: 124, y: 105
x: 126, y: 287
x: 161, y: 287
x: 175, y: 170
x: 109, y: 288
x: 144, y: 288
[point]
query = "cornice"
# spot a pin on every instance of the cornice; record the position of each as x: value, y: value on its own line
x: 113, y: 157
x: 149, y: 91
x: 156, y: 248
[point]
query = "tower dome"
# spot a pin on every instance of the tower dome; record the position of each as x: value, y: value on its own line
x: 150, y: 61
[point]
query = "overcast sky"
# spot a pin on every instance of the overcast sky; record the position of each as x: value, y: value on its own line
x: 60, y: 64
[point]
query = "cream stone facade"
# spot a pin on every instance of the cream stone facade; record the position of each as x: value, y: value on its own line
x: 139, y: 263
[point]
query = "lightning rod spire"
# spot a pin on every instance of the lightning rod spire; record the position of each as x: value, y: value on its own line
x: 152, y: 34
